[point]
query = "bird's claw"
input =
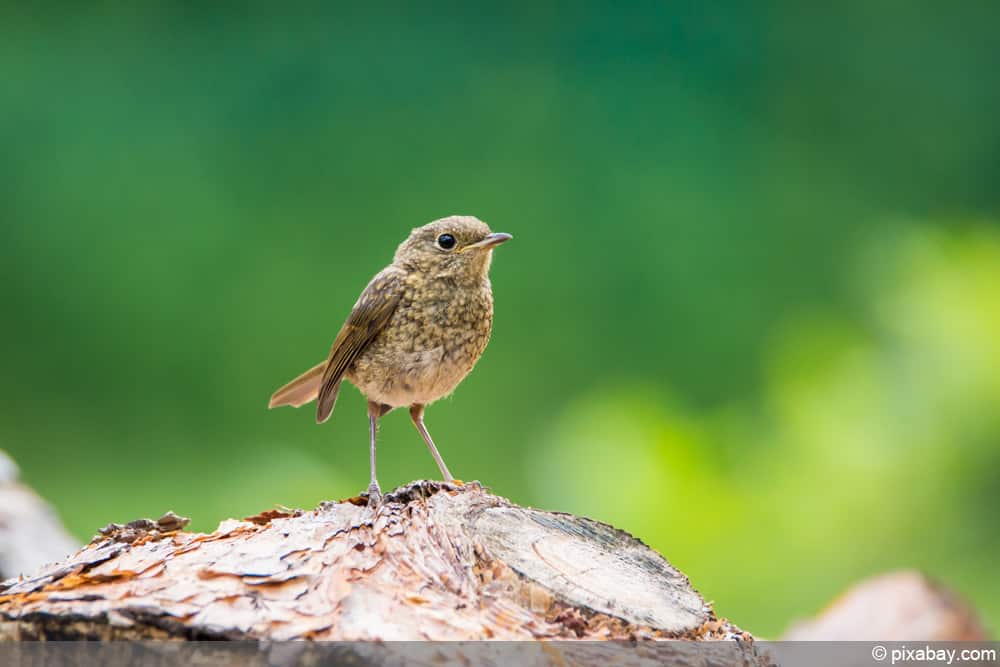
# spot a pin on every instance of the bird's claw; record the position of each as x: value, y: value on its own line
x: 374, y: 495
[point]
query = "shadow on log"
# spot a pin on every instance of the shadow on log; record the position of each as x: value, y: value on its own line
x: 434, y: 562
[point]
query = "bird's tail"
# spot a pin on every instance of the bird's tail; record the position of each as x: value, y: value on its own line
x: 301, y: 390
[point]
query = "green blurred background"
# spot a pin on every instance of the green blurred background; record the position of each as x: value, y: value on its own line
x: 751, y: 312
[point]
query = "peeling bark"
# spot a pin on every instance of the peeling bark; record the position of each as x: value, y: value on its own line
x: 435, y: 561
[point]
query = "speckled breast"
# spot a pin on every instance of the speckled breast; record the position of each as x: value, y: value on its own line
x: 431, y: 343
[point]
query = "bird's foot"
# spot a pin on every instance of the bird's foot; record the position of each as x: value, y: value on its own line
x: 374, y: 495
x: 456, y: 482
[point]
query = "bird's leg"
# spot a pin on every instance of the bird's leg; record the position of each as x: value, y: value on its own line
x: 374, y: 492
x: 417, y: 415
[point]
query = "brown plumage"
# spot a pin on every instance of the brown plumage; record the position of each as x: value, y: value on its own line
x: 416, y: 331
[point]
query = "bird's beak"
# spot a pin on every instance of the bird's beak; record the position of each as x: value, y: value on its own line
x: 491, y: 241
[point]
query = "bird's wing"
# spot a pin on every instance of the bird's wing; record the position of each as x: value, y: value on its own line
x: 371, y: 313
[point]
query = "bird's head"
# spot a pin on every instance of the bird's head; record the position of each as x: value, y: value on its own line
x: 457, y: 247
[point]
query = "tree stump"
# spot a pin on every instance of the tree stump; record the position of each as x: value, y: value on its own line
x: 434, y: 561
x: 896, y: 606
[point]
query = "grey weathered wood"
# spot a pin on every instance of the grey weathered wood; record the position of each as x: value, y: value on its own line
x: 434, y: 562
x: 30, y: 532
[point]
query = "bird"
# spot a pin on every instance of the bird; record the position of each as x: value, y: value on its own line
x: 413, y: 335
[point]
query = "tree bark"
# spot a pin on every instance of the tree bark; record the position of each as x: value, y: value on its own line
x: 435, y: 561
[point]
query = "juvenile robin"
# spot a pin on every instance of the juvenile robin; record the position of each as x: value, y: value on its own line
x: 415, y: 332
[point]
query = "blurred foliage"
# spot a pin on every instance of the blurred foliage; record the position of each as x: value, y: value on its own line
x: 871, y: 445
x: 750, y: 313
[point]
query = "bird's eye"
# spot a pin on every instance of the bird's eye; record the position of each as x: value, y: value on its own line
x: 446, y: 241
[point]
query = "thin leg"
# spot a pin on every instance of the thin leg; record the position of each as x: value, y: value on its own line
x: 374, y: 492
x: 417, y: 415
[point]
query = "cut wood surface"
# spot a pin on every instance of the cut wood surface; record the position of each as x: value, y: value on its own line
x: 435, y: 561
